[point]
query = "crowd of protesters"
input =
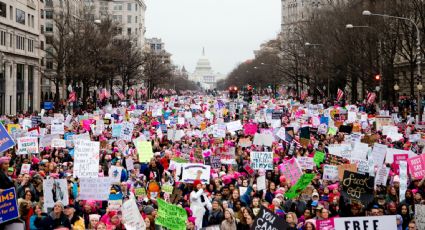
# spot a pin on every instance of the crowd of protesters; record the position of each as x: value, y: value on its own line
x: 219, y: 203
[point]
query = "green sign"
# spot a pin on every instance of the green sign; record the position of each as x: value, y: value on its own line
x: 301, y: 184
x: 332, y: 131
x: 140, y: 191
x: 171, y: 216
x: 144, y: 148
x: 318, y: 158
x: 167, y: 188
x: 179, y: 160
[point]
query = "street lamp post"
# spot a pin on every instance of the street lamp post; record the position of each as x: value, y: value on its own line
x: 420, y: 87
x: 418, y: 44
x: 308, y: 44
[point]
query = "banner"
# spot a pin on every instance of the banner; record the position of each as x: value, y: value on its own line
x: 171, y: 216
x: 55, y: 190
x: 191, y: 171
x: 366, y: 223
x: 86, y: 158
x: 8, y: 204
x: 262, y: 160
x: 144, y: 149
x: 27, y: 145
x: 325, y: 224
x: 94, y: 188
x: 131, y: 217
x: 301, y: 184
x: 291, y: 170
x: 268, y: 220
x: 6, y: 140
x: 357, y: 187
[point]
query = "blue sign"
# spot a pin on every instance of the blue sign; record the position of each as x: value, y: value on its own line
x: 116, y: 130
x: 48, y: 104
x: 324, y: 120
x: 6, y: 140
x: 9, y: 206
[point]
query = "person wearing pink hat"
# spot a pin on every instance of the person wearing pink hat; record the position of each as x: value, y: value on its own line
x: 5, y: 181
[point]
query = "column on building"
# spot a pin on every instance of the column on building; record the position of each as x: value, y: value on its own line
x: 25, y: 88
x: 36, y: 90
x: 10, y: 87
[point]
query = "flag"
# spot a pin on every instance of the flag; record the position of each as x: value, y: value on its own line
x: 339, y: 94
x: 370, y: 97
x: 304, y: 94
x: 119, y: 93
x: 130, y: 92
x: 72, y: 97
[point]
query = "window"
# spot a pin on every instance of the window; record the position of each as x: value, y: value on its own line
x: 32, y: 21
x: 11, y: 12
x: 20, y: 42
x: 128, y: 18
x: 117, y: 18
x: 42, y: 45
x: 49, y: 3
x: 49, y: 27
x: 42, y: 29
x: 42, y: 13
x: 20, y: 16
x: 117, y: 7
x: 135, y: 20
x: 158, y: 46
x: 31, y: 45
x: 128, y: 31
x: 49, y: 64
x: 10, y: 40
x: 136, y: 6
x: 29, y: 21
x: 49, y: 14
x: 3, y: 38
x: 49, y: 40
x: 3, y: 9
x: 129, y: 6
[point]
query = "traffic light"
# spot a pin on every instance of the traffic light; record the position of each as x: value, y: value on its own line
x: 233, y: 92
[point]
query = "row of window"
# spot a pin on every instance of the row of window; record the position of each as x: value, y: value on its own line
x: 21, y: 42
x: 20, y: 16
x: 129, y: 6
x: 118, y: 18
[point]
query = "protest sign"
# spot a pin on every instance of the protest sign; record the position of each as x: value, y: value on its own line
x: 46, y: 140
x: 57, y: 127
x: 55, y: 190
x: 115, y: 201
x: 116, y: 130
x: 365, y: 223
x: 131, y: 217
x: 144, y: 149
x: 171, y: 216
x: 9, y: 206
x: 382, y: 176
x: 318, y: 158
x: 11, y: 128
x: 191, y: 172
x: 86, y: 158
x: 58, y: 143
x: 420, y: 216
x: 215, y: 162
x: 325, y: 224
x: 378, y: 154
x: 362, y: 165
x: 268, y: 220
x: 140, y: 191
x: 115, y: 173
x: 166, y: 188
x: 416, y: 166
x: 127, y: 131
x: 356, y: 186
x: 245, y: 142
x: 94, y: 188
x: 228, y: 157
x: 330, y: 172
x: 391, y: 152
x: 291, y: 170
x: 301, y: 184
x: 261, y: 183
x: 403, y: 179
x: 262, y: 160
x: 383, y: 121
x: 250, y: 128
x: 129, y: 163
x: 306, y: 162
x: 346, y: 167
x: 25, y: 168
x: 27, y: 145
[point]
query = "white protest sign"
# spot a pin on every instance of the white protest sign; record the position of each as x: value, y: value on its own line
x: 115, y: 173
x: 100, y: 126
x: 234, y: 126
x: 306, y: 162
x: 420, y: 216
x: 127, y: 131
x: 46, y: 140
x: 330, y: 172
x: 86, y: 158
x: 131, y: 217
x: 55, y: 190
x: 25, y: 168
x: 57, y: 127
x: 362, y: 165
x: 360, y: 151
x: 403, y: 179
x: 94, y: 188
x: 281, y: 133
x: 261, y: 183
x: 262, y: 160
x: 191, y: 171
x: 391, y: 152
x: 27, y: 145
x: 378, y: 154
x: 129, y: 163
x: 58, y: 143
x: 382, y: 176
x: 339, y: 150
x: 365, y: 223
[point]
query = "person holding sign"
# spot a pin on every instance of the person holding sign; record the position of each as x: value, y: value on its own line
x: 198, y: 202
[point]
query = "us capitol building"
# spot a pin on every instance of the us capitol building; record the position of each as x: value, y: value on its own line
x: 204, y: 75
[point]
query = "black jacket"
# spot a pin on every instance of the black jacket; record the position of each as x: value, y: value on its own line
x: 5, y: 182
x: 50, y: 223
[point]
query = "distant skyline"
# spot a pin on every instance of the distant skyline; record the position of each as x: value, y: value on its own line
x: 229, y: 30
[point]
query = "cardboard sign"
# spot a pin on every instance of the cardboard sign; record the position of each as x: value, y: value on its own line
x: 346, y: 167
x: 9, y: 206
x: 356, y: 186
x: 268, y: 220
x: 86, y: 158
x: 262, y: 160
x: 382, y: 176
x: 366, y: 223
x: 25, y: 168
x: 171, y: 216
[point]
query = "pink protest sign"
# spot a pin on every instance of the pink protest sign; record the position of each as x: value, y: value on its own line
x: 396, y: 163
x: 250, y: 128
x: 325, y: 224
x: 416, y: 166
x: 291, y: 170
x: 86, y: 124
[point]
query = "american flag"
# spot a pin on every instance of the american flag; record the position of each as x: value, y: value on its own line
x: 72, y: 97
x: 370, y: 98
x: 339, y: 94
x: 119, y: 93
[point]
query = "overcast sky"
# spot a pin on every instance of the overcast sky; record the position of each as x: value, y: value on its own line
x: 230, y: 30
